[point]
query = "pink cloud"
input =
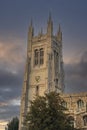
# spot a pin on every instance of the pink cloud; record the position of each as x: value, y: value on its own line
x: 12, y: 53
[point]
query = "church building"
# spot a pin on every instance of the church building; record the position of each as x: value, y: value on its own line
x: 44, y: 73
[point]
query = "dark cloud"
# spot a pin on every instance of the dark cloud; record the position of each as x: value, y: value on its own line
x: 10, y: 84
x: 76, y: 75
x: 6, y: 113
x: 12, y: 60
x: 10, y: 89
x: 8, y: 78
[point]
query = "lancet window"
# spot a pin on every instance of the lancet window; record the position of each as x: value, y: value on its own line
x: 71, y: 120
x: 38, y: 57
x: 80, y: 104
x: 41, y: 56
x: 85, y: 120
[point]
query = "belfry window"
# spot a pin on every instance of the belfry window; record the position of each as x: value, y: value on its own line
x: 36, y: 56
x: 80, y: 104
x: 41, y: 56
x: 85, y: 120
x: 37, y: 90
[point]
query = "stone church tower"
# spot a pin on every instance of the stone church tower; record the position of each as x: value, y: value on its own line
x: 44, y: 66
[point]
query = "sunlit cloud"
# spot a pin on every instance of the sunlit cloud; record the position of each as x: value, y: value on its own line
x: 3, y: 124
x: 12, y: 54
x: 74, y: 58
x: 14, y: 102
x: 3, y: 104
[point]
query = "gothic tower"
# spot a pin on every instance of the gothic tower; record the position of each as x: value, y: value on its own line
x: 44, y: 66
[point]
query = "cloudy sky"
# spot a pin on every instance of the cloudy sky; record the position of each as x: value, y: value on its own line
x: 15, y: 16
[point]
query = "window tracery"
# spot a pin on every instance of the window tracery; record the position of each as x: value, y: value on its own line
x: 80, y: 104
x: 38, y: 57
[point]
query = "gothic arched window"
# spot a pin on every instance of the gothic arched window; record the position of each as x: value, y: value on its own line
x: 80, y: 104
x: 41, y: 56
x: 36, y: 56
x: 85, y: 120
x: 71, y: 120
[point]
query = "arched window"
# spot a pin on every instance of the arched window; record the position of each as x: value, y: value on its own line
x: 36, y: 56
x: 85, y: 120
x: 41, y: 56
x: 64, y: 104
x: 80, y: 104
x: 71, y: 120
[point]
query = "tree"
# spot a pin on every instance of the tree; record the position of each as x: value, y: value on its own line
x: 13, y: 124
x: 47, y: 113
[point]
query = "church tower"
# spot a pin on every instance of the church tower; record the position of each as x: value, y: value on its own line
x: 44, y: 66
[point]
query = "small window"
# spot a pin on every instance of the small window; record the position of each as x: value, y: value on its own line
x: 71, y: 121
x: 64, y: 104
x: 37, y: 90
x: 57, y: 81
x: 85, y: 120
x: 36, y: 56
x: 41, y: 56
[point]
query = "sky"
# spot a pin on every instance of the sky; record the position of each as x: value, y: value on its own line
x: 15, y: 16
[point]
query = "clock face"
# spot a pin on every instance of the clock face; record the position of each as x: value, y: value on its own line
x: 37, y: 78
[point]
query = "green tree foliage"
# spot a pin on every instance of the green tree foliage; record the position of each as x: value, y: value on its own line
x: 47, y: 113
x: 13, y: 124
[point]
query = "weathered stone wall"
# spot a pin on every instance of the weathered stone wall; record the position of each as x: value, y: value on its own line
x: 77, y: 108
